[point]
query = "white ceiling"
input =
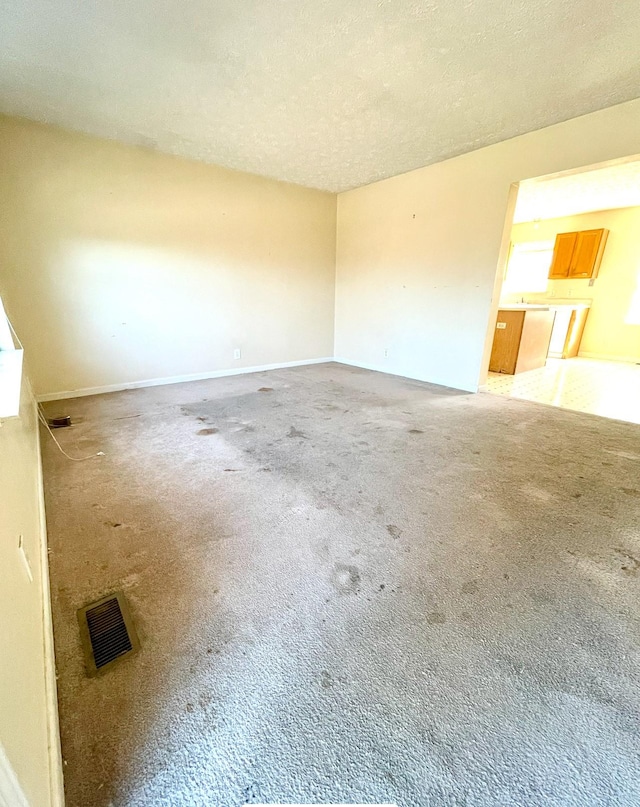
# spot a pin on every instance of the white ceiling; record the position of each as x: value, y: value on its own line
x: 326, y: 93
x: 604, y: 188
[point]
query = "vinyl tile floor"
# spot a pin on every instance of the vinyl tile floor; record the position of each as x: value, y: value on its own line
x: 606, y: 388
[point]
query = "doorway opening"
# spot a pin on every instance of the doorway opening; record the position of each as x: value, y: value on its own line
x: 567, y: 330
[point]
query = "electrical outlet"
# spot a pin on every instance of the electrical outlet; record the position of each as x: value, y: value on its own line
x: 237, y: 353
x: 386, y: 352
x: 24, y: 558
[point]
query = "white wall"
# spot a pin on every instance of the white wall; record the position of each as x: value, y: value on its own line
x: 119, y: 264
x: 613, y: 325
x: 417, y: 254
x: 28, y: 711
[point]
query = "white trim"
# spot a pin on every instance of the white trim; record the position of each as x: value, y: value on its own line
x: 605, y: 357
x: 11, y: 794
x: 387, y: 371
x: 11, y: 362
x: 56, y: 784
x: 176, y: 379
x: 11, y: 380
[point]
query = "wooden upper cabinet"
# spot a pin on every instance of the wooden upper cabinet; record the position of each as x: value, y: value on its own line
x: 578, y: 255
x: 587, y: 254
x: 562, y: 254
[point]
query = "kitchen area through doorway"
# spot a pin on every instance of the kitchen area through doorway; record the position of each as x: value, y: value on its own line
x: 568, y: 327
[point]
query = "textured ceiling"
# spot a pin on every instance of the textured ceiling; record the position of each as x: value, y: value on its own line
x: 332, y: 94
x: 599, y: 189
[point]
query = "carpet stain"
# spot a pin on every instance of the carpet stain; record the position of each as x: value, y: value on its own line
x: 632, y: 564
x: 630, y: 491
x: 205, y: 700
x: 265, y: 389
x: 346, y: 578
x: 394, y: 531
x: 471, y: 587
x: 326, y: 680
x: 436, y: 618
x: 251, y: 793
x: 112, y: 524
x: 205, y: 432
x: 416, y: 431
x: 541, y: 596
x: 293, y: 432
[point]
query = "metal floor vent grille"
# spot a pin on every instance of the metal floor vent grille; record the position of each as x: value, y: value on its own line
x: 107, y: 632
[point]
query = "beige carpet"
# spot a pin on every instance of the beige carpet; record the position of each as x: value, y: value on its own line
x: 349, y: 588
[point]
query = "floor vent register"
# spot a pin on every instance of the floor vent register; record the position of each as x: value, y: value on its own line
x: 107, y: 633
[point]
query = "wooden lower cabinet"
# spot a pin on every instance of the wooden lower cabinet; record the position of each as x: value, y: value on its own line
x: 521, y: 340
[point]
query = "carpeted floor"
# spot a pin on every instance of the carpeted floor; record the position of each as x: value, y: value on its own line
x: 349, y: 588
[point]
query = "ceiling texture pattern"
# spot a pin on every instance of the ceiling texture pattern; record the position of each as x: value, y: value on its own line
x: 331, y: 94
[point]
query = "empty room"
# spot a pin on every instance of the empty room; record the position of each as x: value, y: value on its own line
x: 268, y: 535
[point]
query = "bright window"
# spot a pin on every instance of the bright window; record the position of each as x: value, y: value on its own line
x: 528, y: 267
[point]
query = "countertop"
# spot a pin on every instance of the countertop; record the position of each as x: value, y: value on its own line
x: 551, y: 305
x: 523, y: 307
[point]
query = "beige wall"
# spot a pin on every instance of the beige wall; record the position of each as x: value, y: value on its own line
x: 615, y: 293
x: 28, y: 720
x: 120, y: 265
x: 417, y: 254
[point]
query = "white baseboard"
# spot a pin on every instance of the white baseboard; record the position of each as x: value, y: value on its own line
x: 605, y: 357
x: 56, y: 783
x: 177, y: 379
x: 380, y: 369
x: 362, y: 366
x: 180, y: 379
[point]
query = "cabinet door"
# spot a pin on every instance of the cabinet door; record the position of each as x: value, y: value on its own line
x: 534, y: 342
x: 585, y: 259
x: 506, y: 342
x: 574, y: 333
x: 562, y: 255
